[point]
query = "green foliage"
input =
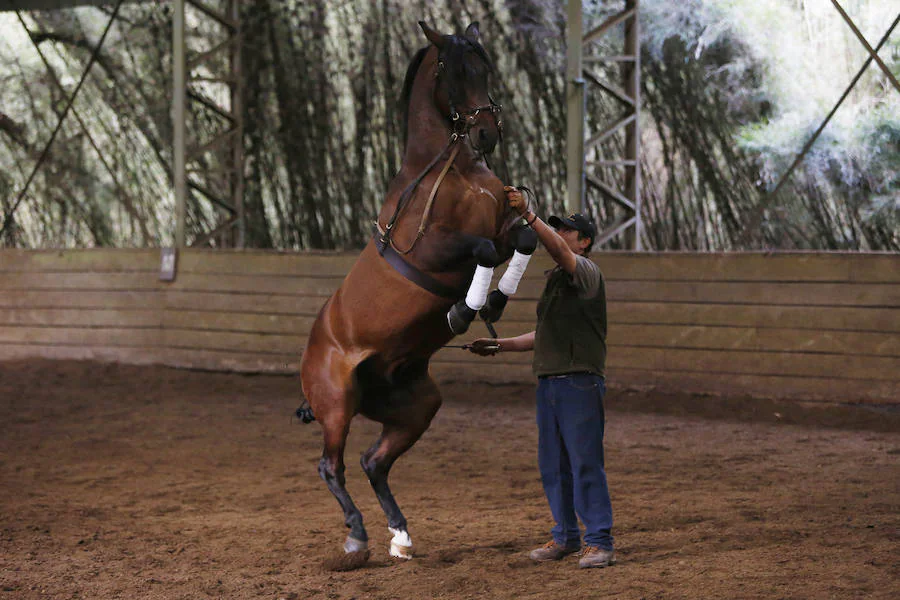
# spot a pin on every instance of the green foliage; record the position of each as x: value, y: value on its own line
x: 776, y: 69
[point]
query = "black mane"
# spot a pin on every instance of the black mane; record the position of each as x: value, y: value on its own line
x: 453, y: 57
x: 407, y: 87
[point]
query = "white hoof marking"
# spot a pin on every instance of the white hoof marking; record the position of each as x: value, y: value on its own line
x: 401, y: 544
x: 354, y: 545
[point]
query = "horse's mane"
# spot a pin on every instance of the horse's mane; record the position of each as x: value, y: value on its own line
x: 407, y: 87
x: 453, y: 59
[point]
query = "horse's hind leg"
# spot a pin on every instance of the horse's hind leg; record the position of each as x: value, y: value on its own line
x: 406, y: 416
x: 331, y: 470
x: 331, y: 395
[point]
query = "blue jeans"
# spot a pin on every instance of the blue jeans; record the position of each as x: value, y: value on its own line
x: 570, y: 456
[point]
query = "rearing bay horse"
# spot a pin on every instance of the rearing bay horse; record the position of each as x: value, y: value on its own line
x: 443, y: 227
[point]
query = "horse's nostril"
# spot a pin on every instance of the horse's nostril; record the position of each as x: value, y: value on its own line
x: 487, y: 137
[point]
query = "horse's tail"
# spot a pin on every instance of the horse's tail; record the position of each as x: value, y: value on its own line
x: 305, y: 413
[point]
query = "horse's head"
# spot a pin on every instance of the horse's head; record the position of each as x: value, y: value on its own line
x: 461, y: 86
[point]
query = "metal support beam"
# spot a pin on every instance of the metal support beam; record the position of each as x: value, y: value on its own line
x: 575, y: 110
x: 631, y: 75
x: 179, y: 123
x: 614, y: 20
x: 610, y: 129
x: 612, y: 193
x: 236, y: 87
x: 862, y: 40
x: 214, y: 167
x: 8, y: 216
x: 627, y: 199
x: 756, y: 219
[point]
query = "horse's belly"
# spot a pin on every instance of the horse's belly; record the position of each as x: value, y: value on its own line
x: 378, y: 310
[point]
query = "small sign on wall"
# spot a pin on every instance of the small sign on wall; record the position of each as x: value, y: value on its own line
x: 167, y: 264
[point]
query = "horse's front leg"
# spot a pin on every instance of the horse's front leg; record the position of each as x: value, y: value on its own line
x: 524, y: 240
x: 464, y: 312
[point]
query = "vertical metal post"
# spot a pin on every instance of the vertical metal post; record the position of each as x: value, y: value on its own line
x: 631, y: 73
x: 237, y: 113
x: 179, y: 125
x: 627, y: 192
x: 575, y: 109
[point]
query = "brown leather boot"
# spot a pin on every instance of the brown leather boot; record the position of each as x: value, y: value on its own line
x: 552, y: 551
x: 596, y: 557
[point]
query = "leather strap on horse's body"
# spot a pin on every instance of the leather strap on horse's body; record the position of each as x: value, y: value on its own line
x: 427, y: 211
x: 394, y: 255
x: 417, y: 276
x: 500, y: 140
x: 386, y: 232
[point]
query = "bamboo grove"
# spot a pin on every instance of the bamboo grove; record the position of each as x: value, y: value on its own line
x: 323, y: 129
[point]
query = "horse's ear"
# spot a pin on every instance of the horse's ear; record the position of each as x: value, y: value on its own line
x: 433, y: 36
x: 472, y: 32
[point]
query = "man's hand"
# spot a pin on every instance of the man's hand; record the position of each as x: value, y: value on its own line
x: 484, y: 347
x: 516, y: 199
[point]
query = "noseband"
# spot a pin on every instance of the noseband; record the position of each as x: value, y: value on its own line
x: 461, y: 122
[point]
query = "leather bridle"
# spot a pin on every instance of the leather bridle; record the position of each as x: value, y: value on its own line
x: 460, y: 123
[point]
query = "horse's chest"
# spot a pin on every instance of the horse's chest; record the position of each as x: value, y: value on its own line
x: 472, y: 209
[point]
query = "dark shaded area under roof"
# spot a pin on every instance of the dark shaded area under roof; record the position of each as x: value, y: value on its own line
x: 10, y: 5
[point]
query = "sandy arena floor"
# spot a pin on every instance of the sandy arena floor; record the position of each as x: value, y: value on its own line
x: 144, y: 482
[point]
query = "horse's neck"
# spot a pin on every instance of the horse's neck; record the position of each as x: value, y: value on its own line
x: 428, y: 135
x: 428, y: 139
x: 428, y: 130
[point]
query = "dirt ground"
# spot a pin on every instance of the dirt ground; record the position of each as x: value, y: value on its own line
x: 146, y: 482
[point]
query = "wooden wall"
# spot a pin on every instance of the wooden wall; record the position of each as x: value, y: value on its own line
x: 801, y: 325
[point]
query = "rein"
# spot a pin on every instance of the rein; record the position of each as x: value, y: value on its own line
x: 407, y: 193
x: 499, y: 141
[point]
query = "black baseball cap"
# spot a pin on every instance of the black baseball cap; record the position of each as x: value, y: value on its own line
x: 576, y: 221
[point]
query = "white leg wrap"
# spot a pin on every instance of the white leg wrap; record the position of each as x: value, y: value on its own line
x: 478, y: 291
x: 509, y: 283
x: 401, y: 544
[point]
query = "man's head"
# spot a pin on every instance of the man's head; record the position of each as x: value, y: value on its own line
x: 578, y: 231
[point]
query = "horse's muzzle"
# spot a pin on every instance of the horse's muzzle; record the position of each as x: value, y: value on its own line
x: 485, y: 139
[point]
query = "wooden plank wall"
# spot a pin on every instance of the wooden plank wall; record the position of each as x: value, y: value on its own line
x: 801, y: 325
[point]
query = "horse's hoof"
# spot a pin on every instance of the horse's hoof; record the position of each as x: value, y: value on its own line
x: 354, y: 545
x: 404, y: 552
x: 346, y: 561
x: 401, y: 544
x: 459, y: 317
x: 493, y: 308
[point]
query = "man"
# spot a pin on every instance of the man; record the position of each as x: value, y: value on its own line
x: 569, y: 344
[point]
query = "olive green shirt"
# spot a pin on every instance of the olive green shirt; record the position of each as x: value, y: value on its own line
x: 570, y: 336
